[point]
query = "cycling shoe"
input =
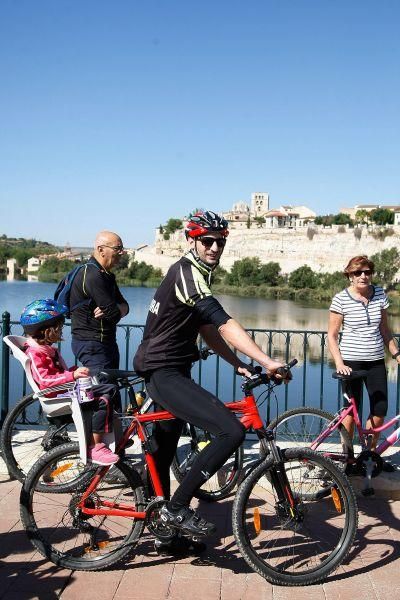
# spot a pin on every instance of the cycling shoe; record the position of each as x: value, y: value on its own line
x: 186, y: 520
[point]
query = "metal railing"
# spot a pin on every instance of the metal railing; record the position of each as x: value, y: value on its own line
x: 312, y: 384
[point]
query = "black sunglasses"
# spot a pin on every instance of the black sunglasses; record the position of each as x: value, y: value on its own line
x: 209, y: 241
x: 366, y: 272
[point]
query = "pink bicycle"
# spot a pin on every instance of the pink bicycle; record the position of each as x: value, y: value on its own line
x: 325, y: 432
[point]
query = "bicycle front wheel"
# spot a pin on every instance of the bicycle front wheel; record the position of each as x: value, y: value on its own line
x: 301, y: 542
x: 25, y: 430
x: 303, y: 426
x: 221, y: 484
x: 59, y: 529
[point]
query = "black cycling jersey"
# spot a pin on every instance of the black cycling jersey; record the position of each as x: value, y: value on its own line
x: 182, y: 303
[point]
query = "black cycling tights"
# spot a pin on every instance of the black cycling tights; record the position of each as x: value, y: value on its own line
x: 173, y: 390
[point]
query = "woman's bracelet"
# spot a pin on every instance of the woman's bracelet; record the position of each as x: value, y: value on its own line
x: 396, y: 355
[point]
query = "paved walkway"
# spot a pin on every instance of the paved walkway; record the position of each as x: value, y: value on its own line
x: 372, y: 571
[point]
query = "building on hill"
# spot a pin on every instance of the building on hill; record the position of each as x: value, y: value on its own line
x: 238, y: 216
x: 289, y: 216
x: 242, y: 215
x: 259, y: 204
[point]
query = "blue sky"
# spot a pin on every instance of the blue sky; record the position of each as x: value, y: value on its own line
x: 122, y: 114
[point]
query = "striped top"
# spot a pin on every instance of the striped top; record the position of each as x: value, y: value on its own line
x: 361, y: 337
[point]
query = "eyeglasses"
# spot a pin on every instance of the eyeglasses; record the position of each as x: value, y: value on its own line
x: 115, y: 248
x: 367, y: 272
x: 209, y: 241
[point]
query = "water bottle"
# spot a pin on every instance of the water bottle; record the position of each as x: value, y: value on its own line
x: 85, y: 386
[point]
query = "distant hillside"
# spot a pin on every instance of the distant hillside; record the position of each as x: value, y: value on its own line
x: 22, y: 249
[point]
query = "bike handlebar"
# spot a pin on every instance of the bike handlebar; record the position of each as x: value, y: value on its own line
x: 262, y: 378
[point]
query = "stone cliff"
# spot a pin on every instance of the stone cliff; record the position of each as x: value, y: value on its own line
x: 326, y: 250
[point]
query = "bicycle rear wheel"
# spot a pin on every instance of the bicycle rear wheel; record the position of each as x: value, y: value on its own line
x: 302, y: 426
x: 25, y: 430
x: 302, y: 542
x: 61, y: 531
x: 221, y: 484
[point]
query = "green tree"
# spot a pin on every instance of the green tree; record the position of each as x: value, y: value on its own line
x: 342, y: 219
x: 335, y: 281
x: 325, y: 220
x: 173, y: 225
x: 248, y: 222
x: 303, y: 277
x: 56, y: 265
x: 219, y: 275
x: 260, y: 221
x: 382, y: 216
x: 361, y: 216
x: 387, y: 264
x: 244, y: 272
x: 269, y: 274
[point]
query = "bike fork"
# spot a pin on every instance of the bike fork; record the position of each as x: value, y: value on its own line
x: 278, y: 474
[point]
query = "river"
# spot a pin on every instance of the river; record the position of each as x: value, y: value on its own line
x: 253, y: 313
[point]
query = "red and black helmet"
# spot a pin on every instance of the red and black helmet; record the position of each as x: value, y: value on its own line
x: 205, y: 222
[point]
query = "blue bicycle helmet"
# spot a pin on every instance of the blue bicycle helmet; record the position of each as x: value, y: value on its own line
x: 40, y: 314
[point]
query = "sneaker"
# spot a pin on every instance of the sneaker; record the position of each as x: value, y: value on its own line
x: 179, y: 546
x: 387, y: 467
x: 101, y: 455
x: 186, y: 520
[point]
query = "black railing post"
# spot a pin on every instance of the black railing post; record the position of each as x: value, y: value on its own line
x: 5, y: 368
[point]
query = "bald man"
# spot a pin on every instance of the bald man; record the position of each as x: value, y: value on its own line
x: 94, y: 323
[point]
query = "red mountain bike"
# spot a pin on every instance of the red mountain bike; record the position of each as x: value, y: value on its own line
x: 294, y: 515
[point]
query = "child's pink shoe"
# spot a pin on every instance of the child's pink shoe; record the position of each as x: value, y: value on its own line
x: 102, y: 455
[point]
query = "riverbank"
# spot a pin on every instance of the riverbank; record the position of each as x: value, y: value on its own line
x: 321, y: 297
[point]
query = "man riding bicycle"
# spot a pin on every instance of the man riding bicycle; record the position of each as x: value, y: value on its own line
x: 182, y: 308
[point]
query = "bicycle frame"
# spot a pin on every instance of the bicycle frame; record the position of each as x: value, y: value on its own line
x: 250, y: 418
x: 363, y: 433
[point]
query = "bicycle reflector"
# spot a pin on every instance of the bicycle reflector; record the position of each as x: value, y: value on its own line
x: 337, y: 501
x: 60, y: 469
x: 257, y: 521
x: 96, y: 548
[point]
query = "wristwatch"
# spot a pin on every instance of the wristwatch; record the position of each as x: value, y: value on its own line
x: 396, y: 355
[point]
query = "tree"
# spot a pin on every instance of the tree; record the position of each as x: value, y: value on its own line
x: 382, y: 216
x: 248, y: 223
x: 56, y: 265
x: 342, y: 219
x: 172, y: 226
x: 387, y: 264
x: 325, y: 220
x: 244, y: 272
x: 335, y: 281
x: 303, y: 277
x: 361, y: 216
x: 260, y: 221
x: 269, y: 274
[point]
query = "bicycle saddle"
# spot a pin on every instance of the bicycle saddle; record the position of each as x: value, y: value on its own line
x: 117, y: 374
x: 353, y: 375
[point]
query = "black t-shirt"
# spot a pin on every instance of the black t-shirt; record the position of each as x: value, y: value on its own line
x: 182, y: 303
x: 94, y: 282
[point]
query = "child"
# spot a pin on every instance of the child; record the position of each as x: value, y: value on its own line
x: 43, y: 321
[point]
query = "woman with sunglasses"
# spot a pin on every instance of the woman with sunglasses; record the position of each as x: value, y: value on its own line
x: 360, y: 311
